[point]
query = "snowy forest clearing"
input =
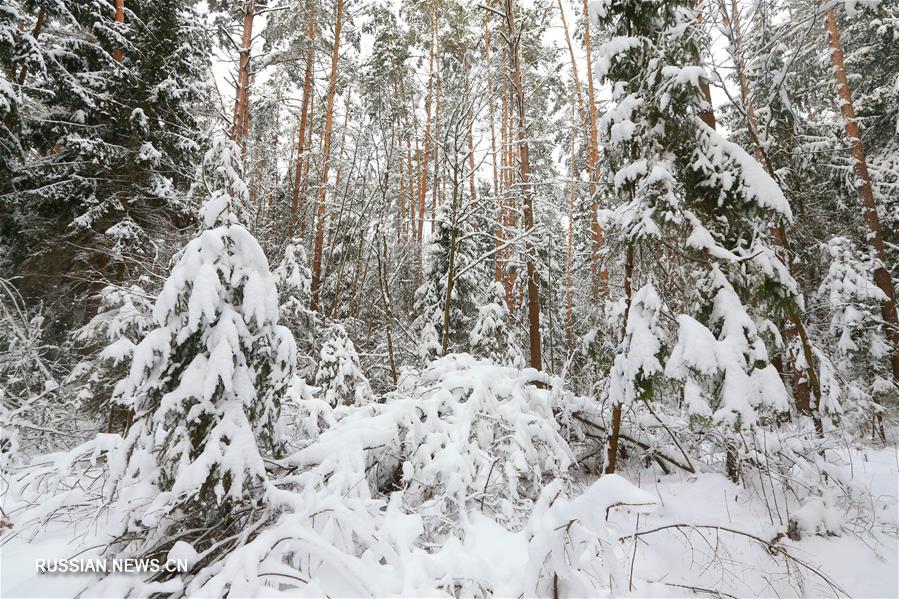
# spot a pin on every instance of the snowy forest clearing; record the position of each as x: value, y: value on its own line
x: 515, y: 298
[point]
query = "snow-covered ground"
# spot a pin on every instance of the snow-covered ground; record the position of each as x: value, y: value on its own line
x: 702, y: 553
x: 861, y: 565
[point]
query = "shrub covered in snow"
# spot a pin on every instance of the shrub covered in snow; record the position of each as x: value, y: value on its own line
x: 468, y: 434
x: 572, y: 551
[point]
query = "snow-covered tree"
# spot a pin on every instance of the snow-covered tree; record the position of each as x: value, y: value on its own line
x: 205, y: 388
x: 293, y: 277
x: 339, y: 376
x: 107, y: 145
x: 724, y: 364
x: 856, y: 332
x: 471, y: 435
x: 445, y: 302
x: 490, y: 337
x: 637, y: 363
x: 124, y: 317
x: 698, y: 198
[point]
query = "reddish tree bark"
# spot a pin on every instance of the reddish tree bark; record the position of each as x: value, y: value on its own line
x: 600, y: 276
x: 525, y: 180
x: 242, y: 95
x: 615, y: 428
x: 120, y: 18
x: 304, y: 114
x: 882, y: 277
x: 326, y: 151
x: 35, y: 33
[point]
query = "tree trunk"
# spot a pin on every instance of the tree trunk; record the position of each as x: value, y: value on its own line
x: 119, y: 17
x: 615, y: 429
x: 600, y: 276
x: 525, y: 178
x: 326, y: 150
x: 579, y: 94
x: 882, y: 277
x: 427, y: 147
x: 241, y: 98
x: 569, y: 258
x: 708, y: 115
x: 304, y: 115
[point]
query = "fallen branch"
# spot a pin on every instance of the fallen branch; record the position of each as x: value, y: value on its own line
x: 714, y: 592
x: 773, y: 549
x: 654, y: 453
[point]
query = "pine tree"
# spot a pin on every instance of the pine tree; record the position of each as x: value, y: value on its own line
x: 339, y: 376
x: 205, y: 388
x: 107, y: 146
x: 321, y: 210
x: 678, y: 180
x: 862, y: 182
x: 490, y: 337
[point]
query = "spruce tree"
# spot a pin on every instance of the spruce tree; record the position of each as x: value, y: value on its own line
x: 445, y: 302
x: 686, y: 193
x: 855, y: 336
x: 205, y: 388
x: 293, y: 277
x: 107, y: 145
x: 340, y: 378
x: 490, y: 337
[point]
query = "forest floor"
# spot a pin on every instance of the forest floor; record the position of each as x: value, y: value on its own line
x: 858, y: 563
x: 703, y: 550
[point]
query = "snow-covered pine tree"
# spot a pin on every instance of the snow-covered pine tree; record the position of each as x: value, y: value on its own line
x: 205, y: 388
x: 110, y: 337
x: 490, y: 337
x: 339, y: 377
x: 701, y: 201
x: 855, y: 333
x: 445, y: 302
x: 294, y: 277
x: 107, y: 145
